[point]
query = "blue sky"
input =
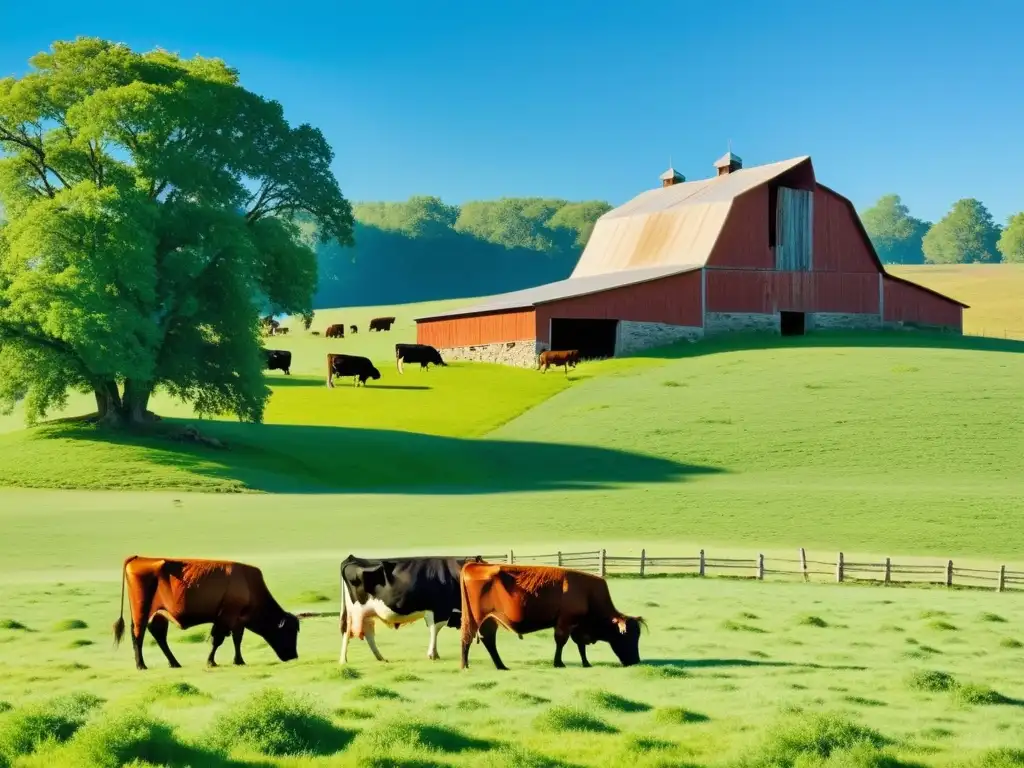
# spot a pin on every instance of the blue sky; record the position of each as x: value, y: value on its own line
x: 584, y: 100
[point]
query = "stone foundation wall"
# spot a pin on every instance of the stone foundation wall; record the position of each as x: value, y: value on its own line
x: 730, y: 322
x: 522, y: 354
x: 824, y: 321
x: 634, y: 337
x: 900, y: 325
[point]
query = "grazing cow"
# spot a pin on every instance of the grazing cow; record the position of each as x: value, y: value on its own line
x: 549, y: 357
x: 231, y: 596
x: 381, y: 323
x: 350, y: 365
x: 336, y: 331
x: 282, y: 331
x: 353, y: 329
x: 279, y: 360
x: 316, y: 333
x: 424, y: 354
x: 527, y: 598
x: 269, y: 325
x: 397, y: 592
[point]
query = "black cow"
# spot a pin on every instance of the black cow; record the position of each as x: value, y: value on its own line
x: 353, y: 328
x: 381, y: 323
x: 279, y: 360
x: 350, y: 365
x: 424, y: 354
x: 397, y: 592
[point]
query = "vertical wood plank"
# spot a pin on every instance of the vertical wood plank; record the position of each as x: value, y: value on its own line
x: 888, y: 570
x: 760, y: 567
x: 1002, y: 579
x: 600, y: 565
x: 949, y: 574
x: 803, y: 563
x: 701, y: 572
x: 643, y: 561
x: 839, y: 568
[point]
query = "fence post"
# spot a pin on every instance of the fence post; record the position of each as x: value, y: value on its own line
x: 888, y: 570
x: 949, y: 574
x: 701, y: 571
x: 559, y: 558
x: 600, y: 564
x: 511, y: 557
x: 803, y: 563
x: 760, y: 567
x: 643, y: 561
x: 839, y: 568
x: 1002, y: 579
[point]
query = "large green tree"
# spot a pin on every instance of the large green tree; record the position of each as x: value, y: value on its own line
x: 895, y: 234
x: 965, y: 235
x: 1011, y: 242
x: 150, y: 204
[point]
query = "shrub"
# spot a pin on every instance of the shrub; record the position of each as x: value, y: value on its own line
x: 997, y: 758
x: 563, y: 719
x: 24, y: 730
x: 931, y: 681
x: 970, y: 693
x: 678, y: 716
x: 120, y: 739
x: 180, y: 691
x: 801, y: 739
x: 613, y: 702
x: 272, y: 723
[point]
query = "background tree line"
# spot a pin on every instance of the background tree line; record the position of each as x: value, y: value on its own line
x: 965, y: 235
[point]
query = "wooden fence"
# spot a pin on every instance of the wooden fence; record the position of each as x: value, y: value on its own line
x: 840, y: 570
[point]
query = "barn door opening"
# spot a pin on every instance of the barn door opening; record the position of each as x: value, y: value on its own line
x: 593, y: 338
x: 792, y: 323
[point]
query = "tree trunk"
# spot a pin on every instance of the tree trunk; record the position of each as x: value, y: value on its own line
x: 129, y: 409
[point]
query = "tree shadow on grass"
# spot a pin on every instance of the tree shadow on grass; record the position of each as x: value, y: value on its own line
x: 318, y: 382
x: 834, y: 340
x: 314, y: 459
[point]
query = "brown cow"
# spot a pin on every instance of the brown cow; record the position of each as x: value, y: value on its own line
x: 556, y: 358
x: 336, y: 331
x: 528, y: 598
x: 381, y: 323
x: 232, y: 596
x: 282, y: 331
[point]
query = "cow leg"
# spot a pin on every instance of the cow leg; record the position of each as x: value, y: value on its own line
x: 369, y: 634
x: 561, y: 638
x: 345, y: 635
x: 217, y: 634
x: 158, y: 627
x: 489, y: 637
x: 582, y: 646
x: 435, y: 627
x: 236, y: 637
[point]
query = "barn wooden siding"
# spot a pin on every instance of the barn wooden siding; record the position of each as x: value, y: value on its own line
x: 794, y: 229
x: 910, y: 303
x: 743, y: 241
x: 840, y: 244
x: 674, y: 300
x: 736, y: 290
x: 471, y: 330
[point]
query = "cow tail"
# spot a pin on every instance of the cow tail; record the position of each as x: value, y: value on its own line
x: 469, y: 628
x: 343, y: 616
x: 119, y: 624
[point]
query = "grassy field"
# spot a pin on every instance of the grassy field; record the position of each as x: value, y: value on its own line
x: 993, y: 291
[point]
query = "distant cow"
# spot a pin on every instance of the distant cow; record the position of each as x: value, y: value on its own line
x: 336, y: 331
x: 398, y: 592
x: 350, y: 365
x: 381, y: 323
x: 424, y: 354
x: 269, y: 325
x: 527, y: 598
x: 231, y: 596
x: 279, y: 360
x: 549, y: 357
x: 353, y: 329
x: 315, y: 333
x: 282, y: 331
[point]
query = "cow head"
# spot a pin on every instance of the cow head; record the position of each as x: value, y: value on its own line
x: 624, y: 637
x: 283, y: 637
x: 374, y: 373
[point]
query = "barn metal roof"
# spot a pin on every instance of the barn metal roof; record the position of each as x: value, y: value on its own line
x: 565, y: 289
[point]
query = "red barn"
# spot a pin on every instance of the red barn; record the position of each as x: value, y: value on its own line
x: 763, y: 248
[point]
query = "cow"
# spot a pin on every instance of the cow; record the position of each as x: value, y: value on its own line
x: 269, y: 325
x: 336, y: 331
x: 231, y: 596
x: 549, y: 357
x: 424, y: 354
x: 528, y: 598
x: 282, y: 331
x: 279, y: 360
x: 316, y: 333
x: 399, y: 591
x: 350, y: 365
x: 381, y: 323
x: 353, y: 329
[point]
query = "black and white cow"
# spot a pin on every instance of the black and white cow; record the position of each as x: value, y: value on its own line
x: 424, y: 354
x: 399, y: 591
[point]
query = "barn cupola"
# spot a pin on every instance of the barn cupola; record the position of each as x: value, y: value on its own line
x: 670, y: 177
x: 728, y: 163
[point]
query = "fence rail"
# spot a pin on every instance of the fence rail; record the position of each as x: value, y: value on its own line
x: 840, y: 570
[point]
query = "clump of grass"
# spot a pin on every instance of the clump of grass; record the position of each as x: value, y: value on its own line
x: 645, y: 744
x: 931, y: 681
x: 861, y: 701
x: 195, y: 636
x: 801, y: 739
x: 67, y: 625
x: 942, y: 626
x: 471, y: 705
x: 344, y: 673
x: 13, y: 625
x: 25, y: 729
x: 994, y: 618
x: 80, y: 642
x: 760, y: 655
x: 5, y: 706
x: 131, y: 738
x: 662, y: 671
x: 312, y: 596
x: 613, y: 702
x: 737, y: 626
x: 1009, y: 642
x: 369, y: 692
x: 181, y: 691
x: 812, y: 621
x: 937, y: 733
x: 892, y: 628
x: 747, y: 615
x: 998, y: 758
x: 353, y: 713
x: 678, y: 716
x: 273, y: 723
x: 564, y: 719
x: 416, y: 736
x: 971, y: 693
x: 933, y: 614
x: 484, y: 685
x: 406, y: 677
x: 522, y: 697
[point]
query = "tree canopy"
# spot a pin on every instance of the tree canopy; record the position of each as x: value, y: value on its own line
x: 150, y: 207
x: 1011, y: 242
x: 896, y: 235
x: 965, y: 235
